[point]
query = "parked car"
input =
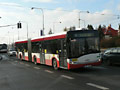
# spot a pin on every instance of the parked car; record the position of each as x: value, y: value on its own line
x: 11, y: 52
x: 0, y: 57
x: 111, y: 56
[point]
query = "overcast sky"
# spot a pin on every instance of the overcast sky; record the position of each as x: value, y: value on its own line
x: 102, y: 12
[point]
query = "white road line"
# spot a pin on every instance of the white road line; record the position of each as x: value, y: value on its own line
x: 21, y: 63
x: 36, y: 68
x: 14, y: 64
x: 68, y: 77
x: 16, y: 61
x: 49, y: 71
x: 27, y: 65
x: 97, y: 86
x: 99, y: 67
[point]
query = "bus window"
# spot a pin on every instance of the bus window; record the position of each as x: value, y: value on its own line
x: 76, y: 48
x: 35, y: 47
x: 52, y: 46
x: 81, y: 46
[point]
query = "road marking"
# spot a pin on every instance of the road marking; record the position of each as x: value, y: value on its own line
x: 27, y: 65
x: 21, y: 63
x: 68, y: 77
x: 14, y: 64
x: 49, y: 71
x: 97, y: 86
x: 16, y: 61
x: 99, y: 67
x: 36, y: 67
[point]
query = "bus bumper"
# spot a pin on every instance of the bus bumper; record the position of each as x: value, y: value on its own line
x: 74, y: 66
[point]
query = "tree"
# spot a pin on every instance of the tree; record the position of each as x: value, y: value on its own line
x: 72, y: 28
x: 50, y: 32
x: 104, y: 26
x: 90, y: 27
x: 101, y: 34
x: 119, y: 30
x: 119, y: 27
x: 65, y: 29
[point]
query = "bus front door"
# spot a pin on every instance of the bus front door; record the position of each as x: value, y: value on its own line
x: 42, y: 54
x: 63, y: 54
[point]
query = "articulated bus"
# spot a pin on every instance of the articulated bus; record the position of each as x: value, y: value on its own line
x: 68, y: 50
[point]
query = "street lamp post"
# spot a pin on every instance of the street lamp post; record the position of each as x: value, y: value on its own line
x: 42, y: 16
x: 18, y: 34
x: 79, y: 15
x: 54, y: 26
x: 9, y: 37
x: 84, y: 22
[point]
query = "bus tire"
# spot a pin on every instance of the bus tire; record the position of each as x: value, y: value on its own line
x: 55, y: 64
x: 35, y: 60
x: 20, y: 57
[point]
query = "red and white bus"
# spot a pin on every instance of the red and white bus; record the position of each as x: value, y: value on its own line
x: 69, y: 50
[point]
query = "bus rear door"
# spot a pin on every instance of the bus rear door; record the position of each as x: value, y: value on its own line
x: 42, y: 53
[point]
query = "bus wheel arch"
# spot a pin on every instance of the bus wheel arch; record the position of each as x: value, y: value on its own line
x: 20, y: 57
x: 54, y: 64
x: 35, y: 60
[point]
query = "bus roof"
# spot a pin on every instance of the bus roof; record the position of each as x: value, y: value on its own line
x: 46, y: 37
x: 49, y: 37
x: 21, y: 41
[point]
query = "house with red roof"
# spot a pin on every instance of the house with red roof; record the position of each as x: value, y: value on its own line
x: 110, y: 32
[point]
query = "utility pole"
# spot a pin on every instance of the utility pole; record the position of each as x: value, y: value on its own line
x: 42, y: 16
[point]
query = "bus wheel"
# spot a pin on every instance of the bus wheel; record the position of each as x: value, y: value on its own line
x: 55, y: 64
x: 20, y: 57
x: 35, y: 60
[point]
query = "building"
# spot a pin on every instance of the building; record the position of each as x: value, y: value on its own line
x: 110, y: 32
x: 119, y: 30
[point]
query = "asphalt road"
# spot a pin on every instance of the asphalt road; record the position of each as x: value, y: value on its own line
x: 22, y: 75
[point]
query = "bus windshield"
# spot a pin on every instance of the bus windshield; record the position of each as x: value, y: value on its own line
x: 80, y: 45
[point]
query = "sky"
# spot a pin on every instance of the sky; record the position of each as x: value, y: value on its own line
x: 101, y: 12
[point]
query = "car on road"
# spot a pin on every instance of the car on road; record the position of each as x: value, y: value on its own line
x: 111, y: 56
x: 0, y: 57
x: 11, y: 52
x: 3, y: 48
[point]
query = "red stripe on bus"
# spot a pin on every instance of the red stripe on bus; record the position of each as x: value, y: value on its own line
x: 38, y: 60
x: 49, y: 38
x: 73, y: 66
x: 26, y: 58
x: 41, y: 39
x: 35, y: 40
x: 21, y: 42
x: 48, y: 62
x: 55, y: 37
x: 58, y: 65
